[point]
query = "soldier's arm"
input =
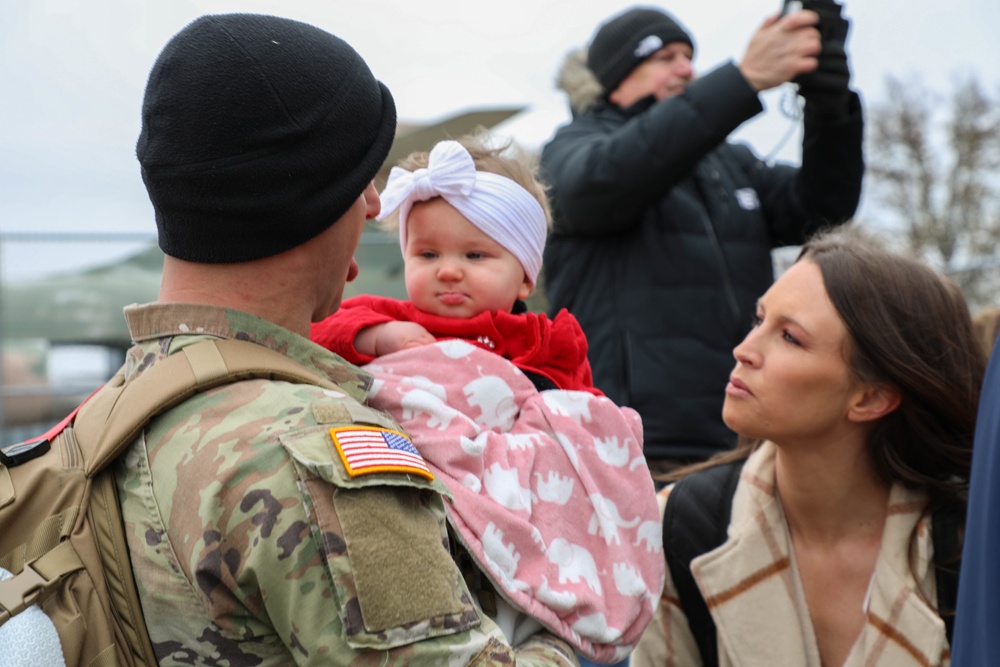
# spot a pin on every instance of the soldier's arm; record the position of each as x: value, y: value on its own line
x: 486, y: 645
x: 389, y: 585
x: 545, y: 649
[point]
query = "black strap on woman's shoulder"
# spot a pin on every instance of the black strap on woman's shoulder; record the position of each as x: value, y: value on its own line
x: 695, y: 521
x: 945, y: 534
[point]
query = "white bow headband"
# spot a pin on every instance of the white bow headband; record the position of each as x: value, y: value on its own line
x: 499, y: 207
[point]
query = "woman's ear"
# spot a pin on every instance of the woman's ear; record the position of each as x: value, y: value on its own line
x: 873, y: 403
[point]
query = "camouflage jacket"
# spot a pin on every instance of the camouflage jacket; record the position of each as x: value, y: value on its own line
x: 252, y: 542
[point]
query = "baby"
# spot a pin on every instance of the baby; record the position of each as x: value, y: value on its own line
x: 551, y: 495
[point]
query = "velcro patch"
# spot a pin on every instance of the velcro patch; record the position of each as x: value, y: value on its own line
x: 368, y: 449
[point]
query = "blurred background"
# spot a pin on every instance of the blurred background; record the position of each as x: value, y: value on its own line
x: 77, y: 236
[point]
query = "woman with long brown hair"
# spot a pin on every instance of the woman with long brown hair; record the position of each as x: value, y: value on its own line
x: 855, y: 396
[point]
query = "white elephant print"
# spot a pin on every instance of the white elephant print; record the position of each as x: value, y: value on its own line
x: 455, y: 348
x: 504, y: 486
x: 495, y: 401
x: 423, y: 397
x: 564, y: 600
x: 596, y: 627
x: 574, y: 563
x: 628, y: 581
x: 472, y: 483
x: 573, y: 404
x: 523, y: 441
x: 650, y: 532
x: 556, y: 489
x: 474, y: 446
x: 609, y: 451
x: 606, y: 519
x: 502, y: 558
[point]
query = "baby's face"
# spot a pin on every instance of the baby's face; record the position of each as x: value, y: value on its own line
x: 455, y: 270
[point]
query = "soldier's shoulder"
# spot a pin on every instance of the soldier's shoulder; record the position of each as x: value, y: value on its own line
x: 354, y: 445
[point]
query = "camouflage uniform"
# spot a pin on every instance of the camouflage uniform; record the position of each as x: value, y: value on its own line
x: 252, y: 543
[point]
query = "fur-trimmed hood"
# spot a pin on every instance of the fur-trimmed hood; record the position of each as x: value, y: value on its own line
x: 578, y: 82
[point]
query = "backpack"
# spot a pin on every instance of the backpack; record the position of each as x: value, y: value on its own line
x: 696, y: 521
x: 61, y: 529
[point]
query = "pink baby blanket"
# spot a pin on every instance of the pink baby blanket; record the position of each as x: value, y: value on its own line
x: 552, y: 495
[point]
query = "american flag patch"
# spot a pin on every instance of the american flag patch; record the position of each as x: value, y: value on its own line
x: 369, y: 449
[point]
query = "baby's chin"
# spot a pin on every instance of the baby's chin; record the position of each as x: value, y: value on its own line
x: 455, y: 312
x: 459, y: 305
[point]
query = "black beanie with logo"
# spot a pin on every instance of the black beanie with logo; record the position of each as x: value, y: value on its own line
x: 626, y: 40
x: 258, y: 133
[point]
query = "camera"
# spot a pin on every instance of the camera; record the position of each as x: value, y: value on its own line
x: 791, y: 6
x: 827, y: 85
x: 832, y: 25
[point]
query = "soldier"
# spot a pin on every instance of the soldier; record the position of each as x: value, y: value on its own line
x: 255, y: 539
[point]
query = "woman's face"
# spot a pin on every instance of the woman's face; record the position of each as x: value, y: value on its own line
x: 792, y: 382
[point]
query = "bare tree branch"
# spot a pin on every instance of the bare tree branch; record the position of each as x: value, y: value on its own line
x: 935, y: 172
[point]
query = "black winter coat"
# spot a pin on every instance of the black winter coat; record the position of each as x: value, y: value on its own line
x: 662, y: 238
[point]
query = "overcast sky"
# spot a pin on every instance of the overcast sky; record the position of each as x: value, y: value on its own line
x: 72, y: 73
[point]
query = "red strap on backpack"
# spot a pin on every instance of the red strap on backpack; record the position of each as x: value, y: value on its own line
x: 22, y: 452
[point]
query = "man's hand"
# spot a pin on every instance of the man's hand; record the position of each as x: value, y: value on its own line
x: 782, y: 49
x: 826, y: 88
x: 389, y: 337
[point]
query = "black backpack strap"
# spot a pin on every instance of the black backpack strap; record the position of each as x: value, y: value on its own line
x: 695, y: 521
x: 945, y: 525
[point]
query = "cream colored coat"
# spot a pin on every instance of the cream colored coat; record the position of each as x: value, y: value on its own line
x: 755, y: 596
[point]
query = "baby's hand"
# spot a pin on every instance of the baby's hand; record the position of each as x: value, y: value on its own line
x: 390, y: 337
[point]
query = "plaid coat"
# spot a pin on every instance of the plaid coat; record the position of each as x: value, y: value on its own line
x: 757, y: 603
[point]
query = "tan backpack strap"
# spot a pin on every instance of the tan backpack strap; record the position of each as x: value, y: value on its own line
x: 109, y: 658
x: 247, y: 360
x: 112, y: 547
x: 111, y: 419
x: 51, y: 531
x: 114, y: 417
x: 20, y: 591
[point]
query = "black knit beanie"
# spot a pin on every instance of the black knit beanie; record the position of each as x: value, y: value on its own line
x: 258, y: 133
x: 624, y: 41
